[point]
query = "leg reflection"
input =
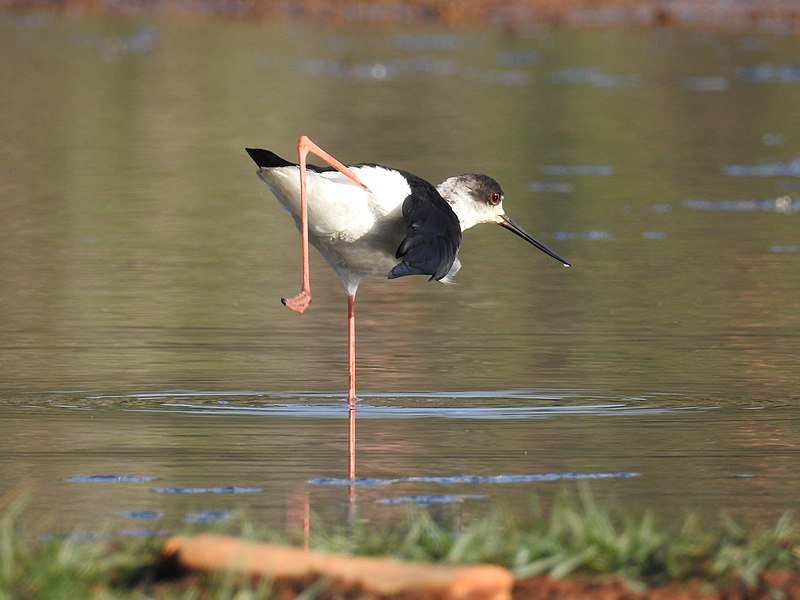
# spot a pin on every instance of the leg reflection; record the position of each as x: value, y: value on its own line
x: 351, y: 456
x: 298, y: 514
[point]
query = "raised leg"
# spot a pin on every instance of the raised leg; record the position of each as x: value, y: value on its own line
x: 304, y: 145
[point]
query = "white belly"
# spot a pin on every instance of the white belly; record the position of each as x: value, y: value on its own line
x: 357, y: 231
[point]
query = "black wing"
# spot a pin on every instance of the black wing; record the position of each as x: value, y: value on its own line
x: 433, y: 233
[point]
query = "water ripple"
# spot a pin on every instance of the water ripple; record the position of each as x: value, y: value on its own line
x: 429, y: 499
x: 579, y: 170
x: 414, y: 42
x: 550, y: 187
x: 94, y: 536
x: 707, y: 84
x: 773, y: 169
x: 595, y: 78
x: 767, y: 73
x: 405, y: 412
x: 110, y: 478
x: 783, y: 204
x: 141, y: 40
x: 376, y: 71
x: 227, y: 489
x: 473, y: 479
x: 526, y: 403
x: 206, y: 517
x: 141, y: 515
x: 592, y: 236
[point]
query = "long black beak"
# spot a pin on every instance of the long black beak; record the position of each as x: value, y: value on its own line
x: 509, y: 224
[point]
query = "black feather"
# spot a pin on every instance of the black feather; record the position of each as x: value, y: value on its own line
x: 433, y: 233
x: 268, y: 160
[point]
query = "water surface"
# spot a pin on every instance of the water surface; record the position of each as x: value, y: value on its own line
x: 148, y: 368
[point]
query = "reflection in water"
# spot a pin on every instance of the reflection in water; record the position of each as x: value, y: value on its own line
x: 298, y: 514
x: 351, y: 441
x: 141, y: 334
x: 288, y: 467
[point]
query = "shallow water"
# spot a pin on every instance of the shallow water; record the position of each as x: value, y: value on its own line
x: 142, y: 263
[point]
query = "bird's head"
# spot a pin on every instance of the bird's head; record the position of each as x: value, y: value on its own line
x: 477, y: 198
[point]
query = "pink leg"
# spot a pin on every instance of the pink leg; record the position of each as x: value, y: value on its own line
x: 351, y: 386
x: 351, y: 349
x: 304, y: 145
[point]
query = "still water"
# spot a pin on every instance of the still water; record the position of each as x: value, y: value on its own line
x: 150, y: 376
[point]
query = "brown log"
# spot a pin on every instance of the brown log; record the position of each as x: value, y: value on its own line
x: 376, y: 577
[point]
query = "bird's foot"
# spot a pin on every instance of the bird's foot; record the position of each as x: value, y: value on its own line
x: 299, y: 303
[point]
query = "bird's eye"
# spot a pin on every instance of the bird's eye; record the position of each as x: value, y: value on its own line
x: 495, y: 198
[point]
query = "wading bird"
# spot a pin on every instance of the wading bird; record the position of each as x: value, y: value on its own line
x: 367, y: 219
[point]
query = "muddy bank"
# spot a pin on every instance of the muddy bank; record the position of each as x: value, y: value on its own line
x: 770, y: 585
x: 738, y: 15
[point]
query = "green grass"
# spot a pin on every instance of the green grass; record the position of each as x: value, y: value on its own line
x: 573, y: 536
x: 576, y: 535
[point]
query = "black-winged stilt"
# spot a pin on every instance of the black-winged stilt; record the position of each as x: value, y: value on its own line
x: 367, y: 219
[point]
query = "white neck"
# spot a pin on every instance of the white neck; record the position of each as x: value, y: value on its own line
x: 461, y: 200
